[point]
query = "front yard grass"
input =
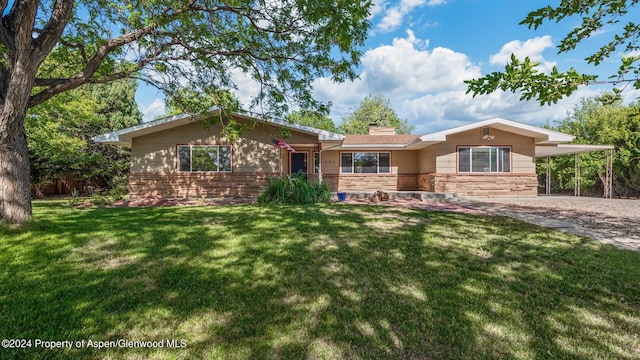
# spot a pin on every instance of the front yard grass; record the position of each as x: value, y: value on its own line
x: 312, y: 281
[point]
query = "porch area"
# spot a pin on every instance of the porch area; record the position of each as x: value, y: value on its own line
x: 393, y: 195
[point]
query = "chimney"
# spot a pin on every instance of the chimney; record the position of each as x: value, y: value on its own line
x: 380, y: 130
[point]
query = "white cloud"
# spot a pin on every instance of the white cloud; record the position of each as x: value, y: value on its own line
x: 630, y: 95
x: 391, y: 21
x: 406, y: 66
x: 533, y: 48
x: 438, y: 111
x: 427, y: 88
x: 394, y: 16
x: 406, y: 69
x: 376, y: 8
x: 247, y: 87
x: 153, y: 110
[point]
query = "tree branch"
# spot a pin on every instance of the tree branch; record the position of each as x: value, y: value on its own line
x: 247, y: 16
x: 238, y: 52
x: 52, y: 31
x: 101, y: 54
x: 92, y: 66
x: 20, y: 23
x: 58, y: 85
x: 70, y: 45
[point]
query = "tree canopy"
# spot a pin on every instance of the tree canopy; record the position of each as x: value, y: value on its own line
x: 188, y: 100
x: 312, y: 118
x: 374, y: 110
x: 524, y: 76
x: 203, y: 44
x: 284, y: 45
x: 60, y: 131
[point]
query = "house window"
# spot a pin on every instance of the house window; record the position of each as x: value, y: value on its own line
x: 207, y: 158
x: 365, y: 163
x: 484, y: 159
x: 346, y: 163
x: 316, y: 162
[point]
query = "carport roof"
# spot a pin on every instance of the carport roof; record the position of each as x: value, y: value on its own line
x: 565, y: 149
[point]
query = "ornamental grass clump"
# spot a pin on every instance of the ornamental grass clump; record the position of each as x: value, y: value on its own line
x: 294, y: 189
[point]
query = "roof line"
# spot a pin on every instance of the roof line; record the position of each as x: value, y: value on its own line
x: 441, y: 135
x: 114, y: 136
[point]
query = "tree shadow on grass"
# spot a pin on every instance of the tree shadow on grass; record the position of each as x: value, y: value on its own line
x: 320, y: 281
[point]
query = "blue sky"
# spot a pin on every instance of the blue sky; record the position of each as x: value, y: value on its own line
x: 419, y: 52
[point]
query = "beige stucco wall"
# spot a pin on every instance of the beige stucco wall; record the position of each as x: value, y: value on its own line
x: 254, y: 152
x: 330, y: 162
x: 427, y: 160
x: 522, y: 150
x: 404, y: 162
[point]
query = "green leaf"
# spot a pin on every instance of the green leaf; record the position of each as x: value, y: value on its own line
x: 523, y: 77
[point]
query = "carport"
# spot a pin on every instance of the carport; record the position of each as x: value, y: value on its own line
x: 566, y: 149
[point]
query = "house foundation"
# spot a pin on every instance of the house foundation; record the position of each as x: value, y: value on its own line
x: 481, y: 185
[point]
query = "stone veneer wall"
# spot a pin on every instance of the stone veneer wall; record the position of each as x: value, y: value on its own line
x: 369, y: 182
x: 481, y: 185
x: 197, y: 185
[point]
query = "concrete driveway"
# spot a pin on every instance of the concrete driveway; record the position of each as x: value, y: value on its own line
x: 610, y: 221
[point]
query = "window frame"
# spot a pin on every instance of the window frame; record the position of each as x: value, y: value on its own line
x: 191, y: 146
x: 490, y: 147
x: 353, y: 161
x: 316, y: 153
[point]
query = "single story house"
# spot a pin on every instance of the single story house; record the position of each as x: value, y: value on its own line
x: 181, y: 157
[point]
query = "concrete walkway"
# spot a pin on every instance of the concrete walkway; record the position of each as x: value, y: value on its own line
x: 623, y: 242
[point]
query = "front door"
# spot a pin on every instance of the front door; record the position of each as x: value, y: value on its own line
x: 299, y: 163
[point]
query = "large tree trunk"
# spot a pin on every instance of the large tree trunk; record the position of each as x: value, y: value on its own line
x: 15, y: 189
x: 21, y: 56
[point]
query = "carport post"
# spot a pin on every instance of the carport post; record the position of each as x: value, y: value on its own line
x: 547, y: 185
x: 608, y: 192
x: 576, y: 179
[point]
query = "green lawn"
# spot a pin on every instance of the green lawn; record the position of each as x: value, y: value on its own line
x: 318, y: 281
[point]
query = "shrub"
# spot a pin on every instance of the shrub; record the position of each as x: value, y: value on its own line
x: 107, y: 197
x: 74, y: 200
x: 119, y: 187
x: 100, y: 200
x: 294, y: 189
